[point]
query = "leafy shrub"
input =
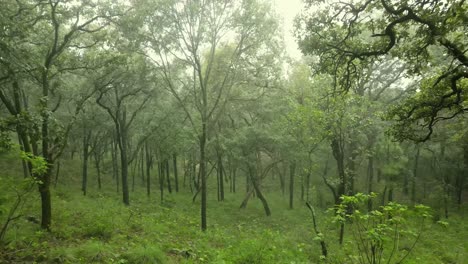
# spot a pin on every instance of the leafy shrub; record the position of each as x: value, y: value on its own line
x: 379, y: 234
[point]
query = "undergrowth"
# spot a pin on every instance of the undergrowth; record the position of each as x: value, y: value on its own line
x: 98, y: 228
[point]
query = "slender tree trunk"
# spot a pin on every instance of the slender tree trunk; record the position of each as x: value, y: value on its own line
x: 46, y: 208
x: 261, y: 197
x: 343, y: 184
x: 168, y: 177
x: 234, y: 172
x: 23, y: 162
x: 142, y: 167
x: 84, y: 181
x: 161, y: 179
x: 176, y: 175
x: 115, y: 163
x: 44, y: 185
x: 415, y: 175
x: 390, y: 194
x: 135, y: 165
x: 203, y: 174
x: 351, y: 168
x: 308, y: 186
x: 218, y: 192
x: 339, y: 157
x: 302, y: 186
x: 148, y: 170
x: 57, y: 171
x: 122, y: 143
x: 384, y: 193
x: 370, y: 176
x: 462, y: 174
x: 221, y: 178
x: 282, y: 181
x: 292, y: 171
x: 97, y: 161
x: 195, y: 176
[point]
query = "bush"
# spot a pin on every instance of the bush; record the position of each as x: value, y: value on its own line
x: 387, y: 233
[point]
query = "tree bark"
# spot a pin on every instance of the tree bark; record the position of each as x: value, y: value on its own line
x: 415, y: 174
x: 370, y: 176
x: 161, y: 179
x: 115, y: 163
x: 97, y: 161
x: 176, y: 176
x: 148, y: 169
x: 203, y: 175
x: 168, y: 176
x: 259, y: 193
x: 221, y: 178
x: 292, y: 171
x: 122, y: 143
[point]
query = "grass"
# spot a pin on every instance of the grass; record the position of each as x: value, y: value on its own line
x: 98, y: 228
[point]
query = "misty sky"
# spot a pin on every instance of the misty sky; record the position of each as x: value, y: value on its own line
x: 289, y: 9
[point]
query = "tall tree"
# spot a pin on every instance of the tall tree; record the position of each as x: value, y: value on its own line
x: 211, y: 40
x: 124, y: 95
x: 42, y: 43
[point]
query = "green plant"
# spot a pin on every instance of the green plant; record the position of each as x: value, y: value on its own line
x: 144, y: 254
x: 12, y: 211
x: 378, y: 235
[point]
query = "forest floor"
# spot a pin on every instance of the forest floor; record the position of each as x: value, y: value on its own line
x: 98, y: 228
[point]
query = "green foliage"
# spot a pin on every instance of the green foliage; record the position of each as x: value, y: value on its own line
x: 378, y: 234
x: 427, y: 37
x: 38, y: 163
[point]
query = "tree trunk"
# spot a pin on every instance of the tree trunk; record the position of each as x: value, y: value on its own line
x: 161, y: 179
x: 148, y: 170
x: 23, y: 162
x: 203, y: 175
x: 221, y: 178
x: 122, y: 143
x: 302, y: 186
x: 370, y: 176
x: 176, y: 176
x: 351, y: 168
x: 292, y: 171
x: 415, y: 175
x: 168, y: 176
x: 97, y: 161
x: 115, y: 163
x: 282, y: 181
x: 260, y: 196
x: 57, y: 171
x: 234, y: 172
x: 339, y: 157
x: 46, y: 203
x: 384, y: 193
x: 84, y: 181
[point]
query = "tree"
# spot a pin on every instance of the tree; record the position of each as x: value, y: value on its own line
x: 348, y: 36
x: 123, y: 95
x: 43, y: 44
x: 196, y: 38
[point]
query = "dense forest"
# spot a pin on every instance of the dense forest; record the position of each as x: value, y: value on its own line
x: 183, y: 131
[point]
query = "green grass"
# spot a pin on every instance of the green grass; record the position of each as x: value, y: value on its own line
x: 98, y: 228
